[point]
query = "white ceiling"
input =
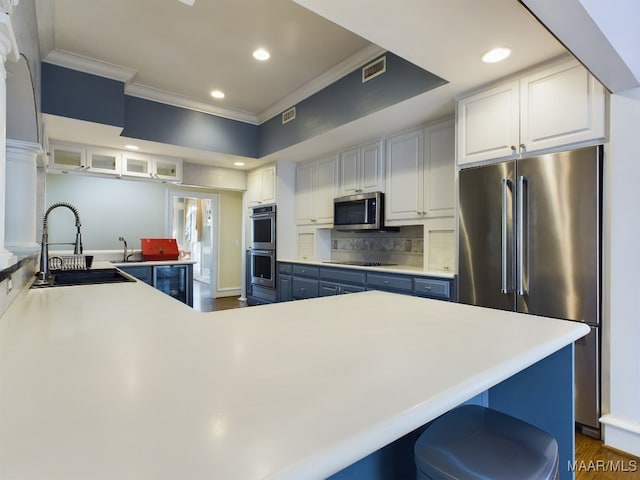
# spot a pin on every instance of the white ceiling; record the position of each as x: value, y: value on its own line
x: 166, y: 49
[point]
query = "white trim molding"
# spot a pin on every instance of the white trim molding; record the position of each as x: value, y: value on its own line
x: 8, y: 42
x: 73, y: 61
x: 621, y: 433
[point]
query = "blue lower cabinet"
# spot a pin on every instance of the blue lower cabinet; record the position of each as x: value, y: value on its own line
x: 175, y: 280
x: 302, y: 288
x: 432, y: 288
x: 142, y: 273
x: 390, y: 283
x: 300, y: 281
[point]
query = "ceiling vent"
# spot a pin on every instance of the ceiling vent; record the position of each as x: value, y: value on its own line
x: 288, y: 115
x: 374, y: 69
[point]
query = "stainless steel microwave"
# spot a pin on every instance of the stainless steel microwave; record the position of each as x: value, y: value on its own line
x: 364, y: 211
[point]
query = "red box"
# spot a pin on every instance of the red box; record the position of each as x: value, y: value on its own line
x: 159, y: 249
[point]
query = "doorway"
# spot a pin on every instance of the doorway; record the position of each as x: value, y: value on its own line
x: 193, y: 221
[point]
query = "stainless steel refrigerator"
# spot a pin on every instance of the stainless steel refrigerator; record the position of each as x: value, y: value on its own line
x: 530, y: 241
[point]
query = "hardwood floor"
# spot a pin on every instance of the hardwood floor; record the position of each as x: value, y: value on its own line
x: 594, y: 461
x: 203, y: 302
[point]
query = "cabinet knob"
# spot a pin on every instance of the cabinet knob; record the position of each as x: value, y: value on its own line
x: 523, y: 147
x: 513, y: 147
x: 386, y: 282
x: 427, y: 287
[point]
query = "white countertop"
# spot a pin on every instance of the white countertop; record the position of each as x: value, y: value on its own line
x: 405, y: 269
x: 120, y: 381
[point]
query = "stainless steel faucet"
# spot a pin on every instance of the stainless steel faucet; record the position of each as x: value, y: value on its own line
x: 44, y: 274
x: 124, y: 255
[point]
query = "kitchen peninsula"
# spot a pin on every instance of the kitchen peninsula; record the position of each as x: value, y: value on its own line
x: 122, y: 381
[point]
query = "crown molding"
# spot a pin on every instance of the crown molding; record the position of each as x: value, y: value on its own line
x: 62, y: 58
x: 332, y: 75
x: 162, y: 96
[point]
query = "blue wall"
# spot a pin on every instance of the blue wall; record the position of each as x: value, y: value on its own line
x: 347, y: 100
x: 74, y: 94
x: 158, y: 122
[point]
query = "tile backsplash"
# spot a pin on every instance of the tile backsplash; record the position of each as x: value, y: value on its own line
x: 405, y: 247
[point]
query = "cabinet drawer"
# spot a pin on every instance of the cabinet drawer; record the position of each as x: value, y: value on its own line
x: 304, y: 288
x: 306, y: 271
x: 342, y: 276
x: 285, y: 268
x: 430, y: 287
x: 398, y: 283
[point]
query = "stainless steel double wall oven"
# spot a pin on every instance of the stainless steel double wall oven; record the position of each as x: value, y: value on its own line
x: 262, y: 256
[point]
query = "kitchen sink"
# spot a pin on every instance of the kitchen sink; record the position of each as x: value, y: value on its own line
x: 84, y: 277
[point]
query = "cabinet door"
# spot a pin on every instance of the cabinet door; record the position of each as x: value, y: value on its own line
x: 67, y: 158
x: 488, y: 124
x: 284, y: 288
x: 104, y: 161
x: 268, y: 183
x: 169, y: 169
x: 561, y: 106
x: 349, y: 171
x: 328, y: 289
x: 254, y: 188
x: 137, y: 165
x: 325, y: 188
x: 404, y: 176
x: 305, y: 205
x: 439, y: 171
x: 261, y: 186
x: 371, y: 168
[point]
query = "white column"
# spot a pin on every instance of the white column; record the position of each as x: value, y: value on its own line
x: 21, y: 194
x: 8, y: 49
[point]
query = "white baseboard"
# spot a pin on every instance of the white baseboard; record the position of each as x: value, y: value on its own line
x: 621, y: 434
x: 227, y: 292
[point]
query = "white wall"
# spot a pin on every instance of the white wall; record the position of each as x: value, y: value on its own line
x: 621, y: 333
x: 108, y: 208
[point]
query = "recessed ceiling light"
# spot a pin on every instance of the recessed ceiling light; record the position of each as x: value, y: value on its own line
x: 496, y: 55
x: 217, y: 94
x: 261, y: 54
x: 188, y: 2
x: 132, y: 147
x: 239, y: 164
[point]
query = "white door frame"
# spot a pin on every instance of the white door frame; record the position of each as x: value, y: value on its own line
x: 215, y: 230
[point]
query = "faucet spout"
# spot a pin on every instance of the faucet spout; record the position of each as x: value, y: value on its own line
x: 43, y: 274
x: 124, y: 255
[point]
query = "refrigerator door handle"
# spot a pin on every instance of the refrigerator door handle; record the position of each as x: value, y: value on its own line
x: 505, y: 286
x: 521, y: 239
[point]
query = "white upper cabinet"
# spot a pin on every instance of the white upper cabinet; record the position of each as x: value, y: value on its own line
x: 362, y: 169
x: 421, y: 173
x: 261, y: 186
x: 152, y: 166
x: 559, y: 106
x: 439, y: 171
x: 405, y: 176
x: 488, y: 124
x: 316, y: 185
x: 71, y: 158
x: 68, y: 157
x: 104, y: 161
